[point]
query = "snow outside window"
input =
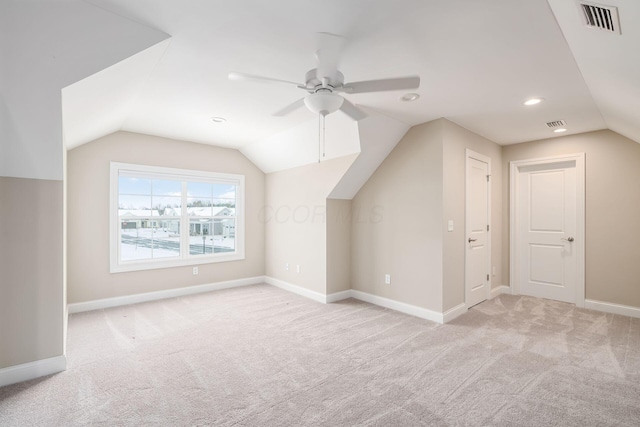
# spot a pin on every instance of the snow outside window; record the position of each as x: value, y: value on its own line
x: 164, y: 217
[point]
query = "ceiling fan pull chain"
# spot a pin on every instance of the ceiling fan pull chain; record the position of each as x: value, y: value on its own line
x: 324, y: 137
x: 319, y: 134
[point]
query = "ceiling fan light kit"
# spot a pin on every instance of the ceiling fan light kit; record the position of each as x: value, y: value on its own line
x: 323, y: 102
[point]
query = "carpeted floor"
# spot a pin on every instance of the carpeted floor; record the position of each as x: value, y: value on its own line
x: 259, y: 356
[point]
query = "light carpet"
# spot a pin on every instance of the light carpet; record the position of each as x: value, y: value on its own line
x: 260, y: 356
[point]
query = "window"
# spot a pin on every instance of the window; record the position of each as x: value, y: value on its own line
x: 163, y: 217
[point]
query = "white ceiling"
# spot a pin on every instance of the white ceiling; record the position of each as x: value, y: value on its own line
x: 478, y: 61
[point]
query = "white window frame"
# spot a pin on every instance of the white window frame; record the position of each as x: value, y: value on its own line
x: 185, y: 259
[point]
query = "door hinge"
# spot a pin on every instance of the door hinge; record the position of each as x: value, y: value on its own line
x: 487, y: 227
x: 488, y: 178
x: 487, y: 277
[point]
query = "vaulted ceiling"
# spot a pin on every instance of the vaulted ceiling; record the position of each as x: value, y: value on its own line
x: 478, y: 62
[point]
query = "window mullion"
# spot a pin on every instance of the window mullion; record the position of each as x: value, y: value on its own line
x: 184, y: 224
x: 153, y: 237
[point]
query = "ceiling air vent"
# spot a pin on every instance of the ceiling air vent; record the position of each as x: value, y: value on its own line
x: 556, y: 124
x: 600, y: 16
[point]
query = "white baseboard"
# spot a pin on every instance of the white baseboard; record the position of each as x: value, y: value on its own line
x: 316, y: 296
x: 500, y: 290
x: 454, y: 312
x: 402, y: 307
x: 609, y: 307
x: 32, y: 370
x: 153, y: 296
x: 338, y: 296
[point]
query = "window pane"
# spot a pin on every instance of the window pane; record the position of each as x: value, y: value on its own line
x: 224, y: 239
x: 149, y: 238
x: 229, y: 203
x: 134, y: 206
x: 166, y: 205
x: 166, y: 239
x: 224, y: 191
x: 135, y: 239
x: 199, y: 189
x: 200, y: 236
x: 166, y: 187
x: 199, y: 206
x: 129, y: 185
x: 198, y: 202
x: 223, y: 211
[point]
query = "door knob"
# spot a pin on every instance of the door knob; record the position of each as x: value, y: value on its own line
x: 473, y: 240
x: 569, y: 239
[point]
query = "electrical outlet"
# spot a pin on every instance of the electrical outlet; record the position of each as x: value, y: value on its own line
x: 493, y: 270
x: 297, y: 268
x: 387, y: 279
x: 450, y: 225
x: 195, y: 271
x: 286, y: 266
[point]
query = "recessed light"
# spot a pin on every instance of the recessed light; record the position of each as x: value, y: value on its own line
x: 410, y: 97
x: 218, y: 119
x: 560, y: 130
x: 533, y: 101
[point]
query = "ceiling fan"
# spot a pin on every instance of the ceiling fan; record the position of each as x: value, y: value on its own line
x: 324, y: 83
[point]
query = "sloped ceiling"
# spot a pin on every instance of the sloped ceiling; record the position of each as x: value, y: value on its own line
x: 46, y: 46
x: 478, y: 61
x: 608, y: 62
x: 100, y: 104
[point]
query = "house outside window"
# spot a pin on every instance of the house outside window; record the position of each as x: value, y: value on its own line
x: 164, y: 217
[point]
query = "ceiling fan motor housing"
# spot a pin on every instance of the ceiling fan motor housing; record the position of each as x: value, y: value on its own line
x: 314, y: 82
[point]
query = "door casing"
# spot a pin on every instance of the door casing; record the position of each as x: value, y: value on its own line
x: 514, y: 179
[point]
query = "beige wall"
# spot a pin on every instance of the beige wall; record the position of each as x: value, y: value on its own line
x: 456, y: 141
x: 338, y: 245
x: 397, y: 223
x: 295, y: 221
x: 612, y: 210
x: 31, y: 287
x: 88, y: 215
x: 418, y: 189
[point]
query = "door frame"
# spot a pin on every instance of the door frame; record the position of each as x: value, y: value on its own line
x: 470, y: 154
x: 579, y: 245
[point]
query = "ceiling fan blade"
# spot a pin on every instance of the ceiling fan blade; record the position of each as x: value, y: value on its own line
x: 328, y: 55
x: 352, y: 111
x: 290, y: 108
x: 260, y: 79
x: 400, y: 83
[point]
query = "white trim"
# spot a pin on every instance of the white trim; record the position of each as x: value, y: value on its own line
x: 338, y: 296
x: 316, y: 296
x: 153, y: 296
x: 454, y: 312
x: 609, y: 307
x: 402, y: 307
x: 118, y: 266
x: 32, y: 370
x: 500, y: 290
x: 514, y: 167
x: 470, y: 154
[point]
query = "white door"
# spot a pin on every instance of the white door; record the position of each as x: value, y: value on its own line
x: 478, y: 252
x: 549, y: 240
